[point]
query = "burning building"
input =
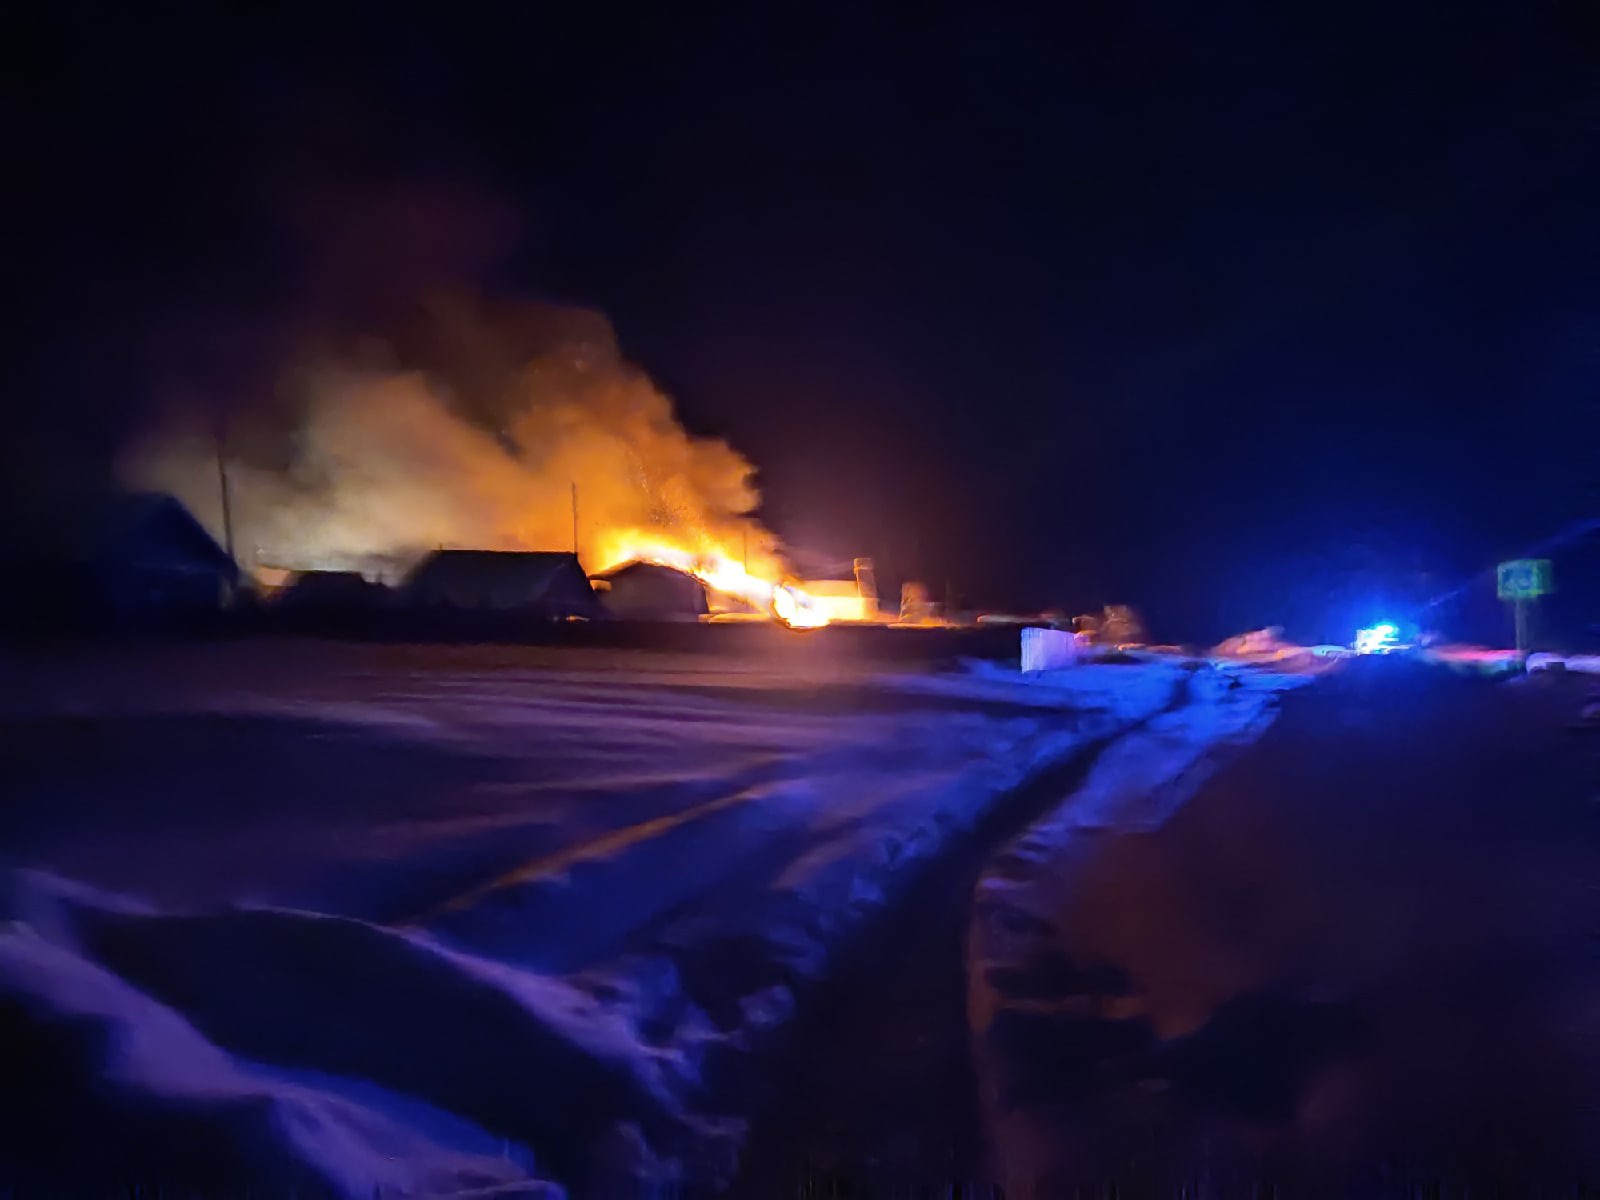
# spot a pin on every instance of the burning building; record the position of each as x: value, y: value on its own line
x: 651, y: 592
x: 506, y: 433
x: 852, y: 599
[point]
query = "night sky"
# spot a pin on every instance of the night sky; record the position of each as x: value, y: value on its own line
x: 1237, y: 316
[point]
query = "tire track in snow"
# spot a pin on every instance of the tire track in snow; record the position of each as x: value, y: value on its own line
x: 878, y: 1086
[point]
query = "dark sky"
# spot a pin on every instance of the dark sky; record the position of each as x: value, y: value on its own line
x: 1235, y: 314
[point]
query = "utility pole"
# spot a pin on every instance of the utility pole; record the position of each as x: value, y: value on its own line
x: 230, y: 585
x: 222, y: 485
x: 574, y: 518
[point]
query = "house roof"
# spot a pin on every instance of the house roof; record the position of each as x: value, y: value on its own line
x: 507, y: 576
x: 499, y: 563
x: 149, y: 530
x: 638, y: 566
x: 328, y: 587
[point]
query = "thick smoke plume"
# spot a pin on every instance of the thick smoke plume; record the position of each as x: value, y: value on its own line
x: 467, y: 436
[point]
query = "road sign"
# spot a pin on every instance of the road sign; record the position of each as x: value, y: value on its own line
x: 1522, y: 578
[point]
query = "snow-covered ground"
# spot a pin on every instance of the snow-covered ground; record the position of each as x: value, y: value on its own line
x: 1347, y: 963
x: 459, y: 921
x: 1587, y: 664
x: 1136, y: 785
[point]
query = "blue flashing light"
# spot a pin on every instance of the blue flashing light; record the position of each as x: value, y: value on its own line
x: 1377, y: 639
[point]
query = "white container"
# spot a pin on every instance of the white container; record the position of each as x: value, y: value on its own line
x: 1050, y: 649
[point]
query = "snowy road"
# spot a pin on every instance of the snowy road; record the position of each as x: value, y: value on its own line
x: 439, y: 920
x: 379, y: 782
x: 878, y: 1094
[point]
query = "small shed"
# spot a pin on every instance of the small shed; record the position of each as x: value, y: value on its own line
x: 546, y: 584
x: 642, y: 591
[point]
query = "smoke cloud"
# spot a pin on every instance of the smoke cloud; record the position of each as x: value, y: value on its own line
x: 330, y: 341
x: 472, y: 433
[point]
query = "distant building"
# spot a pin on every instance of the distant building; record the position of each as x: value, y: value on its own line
x: 140, y: 559
x: 271, y: 574
x: 543, y: 584
x: 853, y: 599
x: 329, y: 591
x: 644, y: 591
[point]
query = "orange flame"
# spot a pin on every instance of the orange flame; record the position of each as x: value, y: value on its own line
x: 720, y: 572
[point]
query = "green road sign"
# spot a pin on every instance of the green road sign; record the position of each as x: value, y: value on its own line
x: 1522, y: 578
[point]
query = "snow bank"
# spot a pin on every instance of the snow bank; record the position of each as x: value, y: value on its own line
x: 167, y: 1104
x: 1267, y: 648
x: 1476, y: 659
x: 1121, y: 691
x: 1258, y: 644
x: 1588, y: 664
x: 474, y: 921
